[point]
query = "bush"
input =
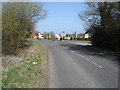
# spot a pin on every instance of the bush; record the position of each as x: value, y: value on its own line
x: 83, y: 38
x: 18, y: 21
x: 107, y: 38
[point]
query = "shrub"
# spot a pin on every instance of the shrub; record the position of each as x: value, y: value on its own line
x: 18, y: 21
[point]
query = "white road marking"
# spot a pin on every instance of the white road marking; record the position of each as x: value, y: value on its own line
x: 81, y: 56
x: 72, y: 51
x: 90, y: 61
x: 87, y: 59
x: 96, y: 64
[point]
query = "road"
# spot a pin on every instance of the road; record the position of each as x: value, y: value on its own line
x: 72, y: 66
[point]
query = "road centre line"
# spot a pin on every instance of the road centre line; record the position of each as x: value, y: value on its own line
x: 97, y: 64
x: 72, y: 51
x: 81, y: 56
x: 87, y: 59
x: 90, y: 61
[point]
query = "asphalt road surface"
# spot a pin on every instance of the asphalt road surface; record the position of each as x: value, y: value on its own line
x: 72, y: 66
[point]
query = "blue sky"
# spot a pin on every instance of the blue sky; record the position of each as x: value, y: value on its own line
x: 62, y: 16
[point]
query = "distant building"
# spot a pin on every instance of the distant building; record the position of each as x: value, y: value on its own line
x: 87, y: 35
x: 67, y: 38
x: 63, y: 34
x: 34, y: 35
x: 80, y: 35
x: 40, y: 36
x: 57, y: 36
x: 49, y: 37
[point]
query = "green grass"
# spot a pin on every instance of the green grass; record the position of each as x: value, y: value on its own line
x: 27, y: 74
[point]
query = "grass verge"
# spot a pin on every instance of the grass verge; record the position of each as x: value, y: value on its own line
x: 29, y: 71
x: 72, y: 41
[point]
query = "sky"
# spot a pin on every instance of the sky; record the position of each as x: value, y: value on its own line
x: 62, y: 16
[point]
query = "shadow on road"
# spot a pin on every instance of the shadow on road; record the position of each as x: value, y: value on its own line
x: 83, y: 49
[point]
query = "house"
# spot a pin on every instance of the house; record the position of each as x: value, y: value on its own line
x: 63, y: 34
x: 34, y: 35
x: 40, y: 36
x: 57, y: 36
x: 80, y: 35
x: 87, y: 35
x: 67, y: 38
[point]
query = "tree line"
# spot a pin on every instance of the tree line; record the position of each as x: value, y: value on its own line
x: 103, y: 19
x: 18, y: 22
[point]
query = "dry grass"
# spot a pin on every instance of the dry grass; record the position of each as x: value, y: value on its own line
x: 21, y: 72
